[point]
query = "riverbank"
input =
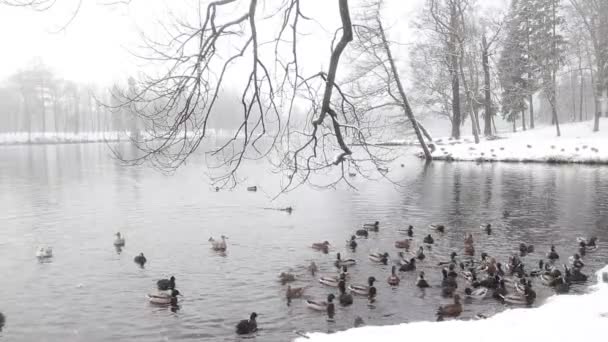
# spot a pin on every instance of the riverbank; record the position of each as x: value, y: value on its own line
x: 577, y: 144
x: 37, y: 138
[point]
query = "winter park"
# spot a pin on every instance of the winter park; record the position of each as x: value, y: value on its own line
x: 303, y: 170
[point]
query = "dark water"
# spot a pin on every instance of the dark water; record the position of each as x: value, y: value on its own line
x: 75, y: 197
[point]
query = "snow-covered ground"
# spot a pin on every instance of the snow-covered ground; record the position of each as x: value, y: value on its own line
x: 564, y: 318
x: 60, y: 137
x: 577, y: 144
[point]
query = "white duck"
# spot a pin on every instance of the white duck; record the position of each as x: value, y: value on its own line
x: 44, y: 252
x: 164, y: 297
x: 119, y: 241
x: 219, y: 246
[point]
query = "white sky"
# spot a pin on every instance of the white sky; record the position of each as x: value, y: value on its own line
x: 94, y: 47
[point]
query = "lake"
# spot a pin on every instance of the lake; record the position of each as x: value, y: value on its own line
x: 75, y: 197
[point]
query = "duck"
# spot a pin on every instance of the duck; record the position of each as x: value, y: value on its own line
x: 438, y: 227
x: 500, y: 291
x: 247, y: 326
x: 312, y: 268
x: 499, y: 270
x: 403, y: 244
x: 575, y: 275
x: 453, y: 256
x: 520, y: 286
x: 344, y: 298
x: 327, y: 306
x: 119, y: 241
x: 541, y: 269
x: 331, y: 280
x: 448, y: 282
x: 164, y: 297
x: 561, y: 285
x: 479, y: 293
x: 2, y: 321
x: 343, y: 262
x: 468, y: 274
x: 373, y: 226
x: 591, y: 243
x: 379, y: 258
x: 352, y: 243
x: 409, y: 231
x: 552, y: 255
x: 452, y: 271
x: 525, y: 249
x: 393, y: 279
x: 286, y: 277
x: 450, y: 310
x: 219, y: 246
x: 549, y: 278
x: 582, y: 248
x: 359, y: 322
x: 487, y: 228
x: 44, y: 252
x: 252, y: 188
x: 408, y: 267
x: 420, y: 254
x: 576, y: 261
x: 140, y: 259
x: 469, y: 250
x: 321, y: 246
x: 294, y: 292
x: 421, y: 282
x: 362, y: 233
x: 428, y: 239
x: 166, y: 284
x: 468, y: 240
x: 363, y: 290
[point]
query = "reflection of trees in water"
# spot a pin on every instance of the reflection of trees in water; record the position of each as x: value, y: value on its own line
x: 599, y: 205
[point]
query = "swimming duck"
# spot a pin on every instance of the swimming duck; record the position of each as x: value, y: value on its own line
x: 119, y: 241
x: 140, y: 259
x: 478, y: 293
x: 438, y: 227
x: 312, y: 268
x: 420, y: 254
x: 294, y: 292
x: 247, y: 326
x: 468, y: 274
x: 2, y: 321
x: 374, y: 227
x: 552, y: 255
x: 452, y: 271
x: 363, y: 290
x: 428, y: 239
x: 500, y: 291
x: 379, y: 258
x: 421, y: 282
x: 499, y: 270
x: 453, y: 256
x: 561, y: 286
x: 591, y: 243
x: 164, y: 297
x: 409, y: 231
x: 575, y: 275
x: 286, y: 277
x: 448, y: 282
x: 487, y: 228
x: 332, y: 281
x: 327, y: 306
x: 576, y: 261
x: 218, y: 246
x: 352, y: 243
x: 166, y: 284
x: 525, y: 249
x: 344, y: 298
x: 252, y: 188
x: 469, y: 250
x: 362, y: 233
x: 321, y: 246
x: 468, y: 240
x: 44, y: 252
x: 549, y: 278
x: 410, y: 266
x: 393, y: 279
x: 450, y: 310
x: 402, y: 244
x: 343, y: 262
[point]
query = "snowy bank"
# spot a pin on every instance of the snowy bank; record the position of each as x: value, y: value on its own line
x: 577, y: 144
x: 564, y: 318
x: 61, y: 137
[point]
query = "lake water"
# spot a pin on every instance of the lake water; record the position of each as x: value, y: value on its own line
x: 75, y: 197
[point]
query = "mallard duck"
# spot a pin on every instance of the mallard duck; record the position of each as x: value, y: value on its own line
x: 252, y: 188
x: 294, y: 292
x: 166, y: 284
x: 164, y: 297
x: 548, y: 278
x: 520, y: 286
x: 362, y: 289
x: 591, y: 243
x: 515, y: 299
x: 421, y: 282
x: 331, y: 280
x: 409, y: 231
x: 374, y: 227
x: 140, y: 259
x: 44, y: 252
x: 312, y: 268
x: 362, y: 232
x: 247, y: 326
x: 438, y: 227
x: 500, y: 291
x: 402, y: 244
x: 487, y: 228
x: 119, y: 241
x: 420, y: 254
x: 285, y: 277
x: 576, y: 261
x: 469, y: 250
x: 468, y: 274
x: 393, y: 279
x: 343, y: 262
x: 321, y: 305
x: 448, y: 282
x: 452, y: 260
x: 575, y: 275
x: 219, y: 246
x: 479, y: 293
x: 468, y: 240
x: 428, y: 239
x: 379, y: 258
x: 321, y: 246
x: 352, y: 243
x: 344, y: 298
x: 450, y: 310
x: 525, y: 249
x: 552, y: 255
x: 561, y: 286
x: 408, y: 267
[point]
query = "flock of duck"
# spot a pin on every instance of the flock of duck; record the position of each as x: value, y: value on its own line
x: 509, y: 283
x: 485, y: 277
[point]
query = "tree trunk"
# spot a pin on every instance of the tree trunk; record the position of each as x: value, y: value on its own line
x: 487, y: 131
x: 469, y: 98
x: 514, y: 125
x: 531, y: 105
x: 582, y: 92
x: 405, y: 104
x: 453, y: 50
x: 554, y: 75
x: 523, y: 119
x: 425, y: 132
